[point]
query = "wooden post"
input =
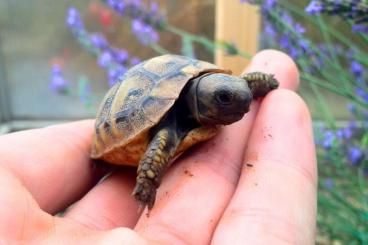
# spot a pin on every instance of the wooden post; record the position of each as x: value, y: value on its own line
x: 236, y: 23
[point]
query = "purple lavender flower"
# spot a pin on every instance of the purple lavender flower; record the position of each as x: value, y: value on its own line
x: 349, y: 130
x: 356, y: 10
x: 329, y: 183
x: 360, y: 28
x: 356, y: 68
x: 351, y: 108
x: 99, y: 41
x: 358, y: 71
x: 314, y: 7
x: 270, y: 30
x: 114, y: 74
x: 249, y: 1
x: 284, y: 41
x: 120, y: 55
x: 58, y: 83
x: 362, y: 93
x: 269, y: 4
x: 344, y: 133
x: 299, y: 28
x: 105, y: 59
x: 266, y: 5
x: 329, y: 139
x: 304, y: 44
x: 134, y: 61
x: 73, y: 20
x: 114, y: 60
x: 287, y: 44
x: 146, y: 34
x: 355, y: 155
x: 154, y: 8
x: 281, y: 28
x: 118, y: 5
x: 343, y: 140
x: 136, y: 10
x: 146, y: 21
x: 75, y: 24
x: 340, y: 133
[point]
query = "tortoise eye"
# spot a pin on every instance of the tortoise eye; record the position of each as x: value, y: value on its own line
x: 224, y: 97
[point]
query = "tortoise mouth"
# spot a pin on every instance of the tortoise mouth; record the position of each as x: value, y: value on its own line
x: 237, y: 112
x: 233, y: 117
x: 225, y: 119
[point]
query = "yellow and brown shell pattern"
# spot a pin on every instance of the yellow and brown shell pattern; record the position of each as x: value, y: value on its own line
x: 138, y: 101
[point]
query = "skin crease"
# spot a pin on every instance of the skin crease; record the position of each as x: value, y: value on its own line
x: 255, y: 183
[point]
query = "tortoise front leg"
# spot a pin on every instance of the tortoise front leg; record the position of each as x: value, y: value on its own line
x: 260, y: 83
x: 153, y: 165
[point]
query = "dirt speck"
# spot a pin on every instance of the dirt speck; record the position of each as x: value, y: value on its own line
x: 187, y: 172
x: 255, y: 184
x: 249, y: 165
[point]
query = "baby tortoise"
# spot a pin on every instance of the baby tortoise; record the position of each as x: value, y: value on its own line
x: 164, y: 105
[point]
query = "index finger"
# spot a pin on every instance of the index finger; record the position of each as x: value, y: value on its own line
x: 275, y: 200
x: 53, y: 163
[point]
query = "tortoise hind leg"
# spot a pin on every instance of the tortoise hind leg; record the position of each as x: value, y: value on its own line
x: 154, y: 163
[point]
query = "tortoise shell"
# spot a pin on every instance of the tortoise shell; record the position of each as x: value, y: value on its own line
x: 138, y: 101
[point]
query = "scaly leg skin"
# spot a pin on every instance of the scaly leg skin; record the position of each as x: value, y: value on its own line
x: 260, y: 83
x: 153, y: 164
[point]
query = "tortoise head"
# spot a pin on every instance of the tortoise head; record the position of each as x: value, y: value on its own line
x: 218, y: 98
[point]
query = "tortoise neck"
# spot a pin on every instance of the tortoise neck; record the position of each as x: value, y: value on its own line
x: 190, y: 97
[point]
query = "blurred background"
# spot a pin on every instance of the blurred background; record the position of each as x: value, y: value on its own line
x: 35, y: 36
x: 58, y: 59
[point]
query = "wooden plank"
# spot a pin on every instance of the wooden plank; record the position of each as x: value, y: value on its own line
x: 236, y: 23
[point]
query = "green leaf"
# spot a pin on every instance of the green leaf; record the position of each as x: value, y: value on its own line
x: 364, y: 141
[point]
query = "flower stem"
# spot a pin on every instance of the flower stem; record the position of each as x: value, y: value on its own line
x: 338, y: 68
x: 210, y: 46
x: 207, y: 43
x: 158, y: 48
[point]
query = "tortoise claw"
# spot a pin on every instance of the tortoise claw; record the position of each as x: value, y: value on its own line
x: 145, y: 192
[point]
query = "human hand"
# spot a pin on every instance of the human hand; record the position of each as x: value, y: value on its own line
x: 254, y: 183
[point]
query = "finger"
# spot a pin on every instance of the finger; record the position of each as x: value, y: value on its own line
x: 20, y: 215
x: 109, y: 204
x: 52, y: 163
x: 275, y: 200
x: 197, y: 189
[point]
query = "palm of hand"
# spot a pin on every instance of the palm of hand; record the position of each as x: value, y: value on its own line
x: 208, y: 196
